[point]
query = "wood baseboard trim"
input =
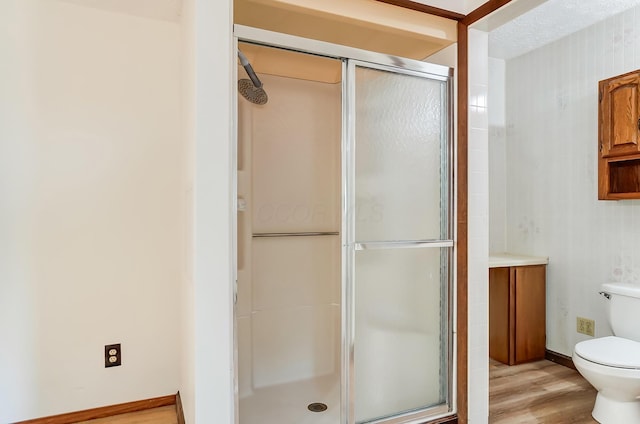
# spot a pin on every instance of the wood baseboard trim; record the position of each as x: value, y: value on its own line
x: 559, y: 359
x: 419, y: 7
x: 484, y: 10
x: 179, y: 410
x: 105, y: 411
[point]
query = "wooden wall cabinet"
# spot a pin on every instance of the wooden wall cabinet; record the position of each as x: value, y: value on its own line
x: 619, y: 137
x: 517, y: 313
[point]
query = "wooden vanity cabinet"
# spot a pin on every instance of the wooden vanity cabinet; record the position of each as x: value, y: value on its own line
x: 619, y: 137
x: 517, y: 313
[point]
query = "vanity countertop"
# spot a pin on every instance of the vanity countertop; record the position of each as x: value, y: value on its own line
x: 498, y: 260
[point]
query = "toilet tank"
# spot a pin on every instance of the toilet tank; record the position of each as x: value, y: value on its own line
x: 624, y: 309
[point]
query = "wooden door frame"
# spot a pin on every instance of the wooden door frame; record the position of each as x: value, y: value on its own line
x: 464, y: 21
x: 462, y: 316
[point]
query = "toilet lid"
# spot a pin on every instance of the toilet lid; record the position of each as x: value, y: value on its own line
x: 611, y: 351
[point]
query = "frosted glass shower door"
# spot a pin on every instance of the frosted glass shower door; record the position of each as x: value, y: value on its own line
x: 399, y: 245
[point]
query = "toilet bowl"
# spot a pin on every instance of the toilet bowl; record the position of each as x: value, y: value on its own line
x: 612, y: 364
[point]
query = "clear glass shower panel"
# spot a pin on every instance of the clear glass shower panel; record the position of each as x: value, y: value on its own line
x: 401, y: 178
x: 399, y: 341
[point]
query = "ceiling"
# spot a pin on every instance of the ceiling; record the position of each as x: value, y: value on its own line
x: 459, y: 6
x: 519, y: 27
x: 548, y: 22
x: 169, y: 10
x: 525, y: 25
x: 363, y: 24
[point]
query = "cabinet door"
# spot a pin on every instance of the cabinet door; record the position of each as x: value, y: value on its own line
x: 499, y: 312
x: 530, y: 312
x: 618, y: 115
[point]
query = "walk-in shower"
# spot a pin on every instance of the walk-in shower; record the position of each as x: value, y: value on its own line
x: 344, y: 236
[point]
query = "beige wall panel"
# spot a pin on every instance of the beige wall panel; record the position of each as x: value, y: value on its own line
x: 363, y: 24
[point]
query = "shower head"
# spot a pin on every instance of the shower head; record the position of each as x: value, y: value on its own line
x: 251, y: 89
x: 252, y: 93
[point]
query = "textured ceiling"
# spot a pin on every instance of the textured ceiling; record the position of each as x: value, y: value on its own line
x: 549, y: 22
x: 166, y: 10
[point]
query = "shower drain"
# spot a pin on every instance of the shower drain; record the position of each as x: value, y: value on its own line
x: 317, y: 407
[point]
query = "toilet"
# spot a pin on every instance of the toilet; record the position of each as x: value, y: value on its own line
x: 612, y: 364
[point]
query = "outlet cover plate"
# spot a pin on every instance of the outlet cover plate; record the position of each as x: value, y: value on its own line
x: 112, y: 355
x: 585, y: 326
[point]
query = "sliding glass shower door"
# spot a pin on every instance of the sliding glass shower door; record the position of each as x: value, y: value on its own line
x: 398, y: 248
x: 345, y: 242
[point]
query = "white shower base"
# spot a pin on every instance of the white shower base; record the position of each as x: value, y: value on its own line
x: 287, y: 403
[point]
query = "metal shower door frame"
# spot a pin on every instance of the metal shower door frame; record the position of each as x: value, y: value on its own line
x: 351, y: 245
x: 352, y: 57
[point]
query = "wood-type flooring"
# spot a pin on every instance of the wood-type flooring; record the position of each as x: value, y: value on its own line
x: 538, y: 392
x: 162, y: 415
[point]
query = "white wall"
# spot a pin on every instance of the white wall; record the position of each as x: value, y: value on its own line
x: 209, y: 367
x: 478, y: 230
x: 552, y: 173
x: 91, y: 246
x: 497, y: 157
x: 187, y: 299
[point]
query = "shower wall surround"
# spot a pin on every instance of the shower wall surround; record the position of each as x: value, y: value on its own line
x: 289, y: 287
x: 551, y: 173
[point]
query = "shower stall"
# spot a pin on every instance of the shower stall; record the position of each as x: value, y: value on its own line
x: 344, y: 236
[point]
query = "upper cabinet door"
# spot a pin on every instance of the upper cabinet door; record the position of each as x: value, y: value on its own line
x: 619, y: 120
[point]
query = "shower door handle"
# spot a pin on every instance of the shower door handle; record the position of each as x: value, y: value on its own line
x: 405, y: 244
x: 235, y: 292
x: 297, y: 234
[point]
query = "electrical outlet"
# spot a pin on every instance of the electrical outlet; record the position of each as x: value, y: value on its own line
x: 112, y: 355
x: 585, y: 326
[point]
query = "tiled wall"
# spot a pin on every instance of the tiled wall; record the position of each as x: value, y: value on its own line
x: 551, y: 153
x: 497, y: 158
x: 478, y: 227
